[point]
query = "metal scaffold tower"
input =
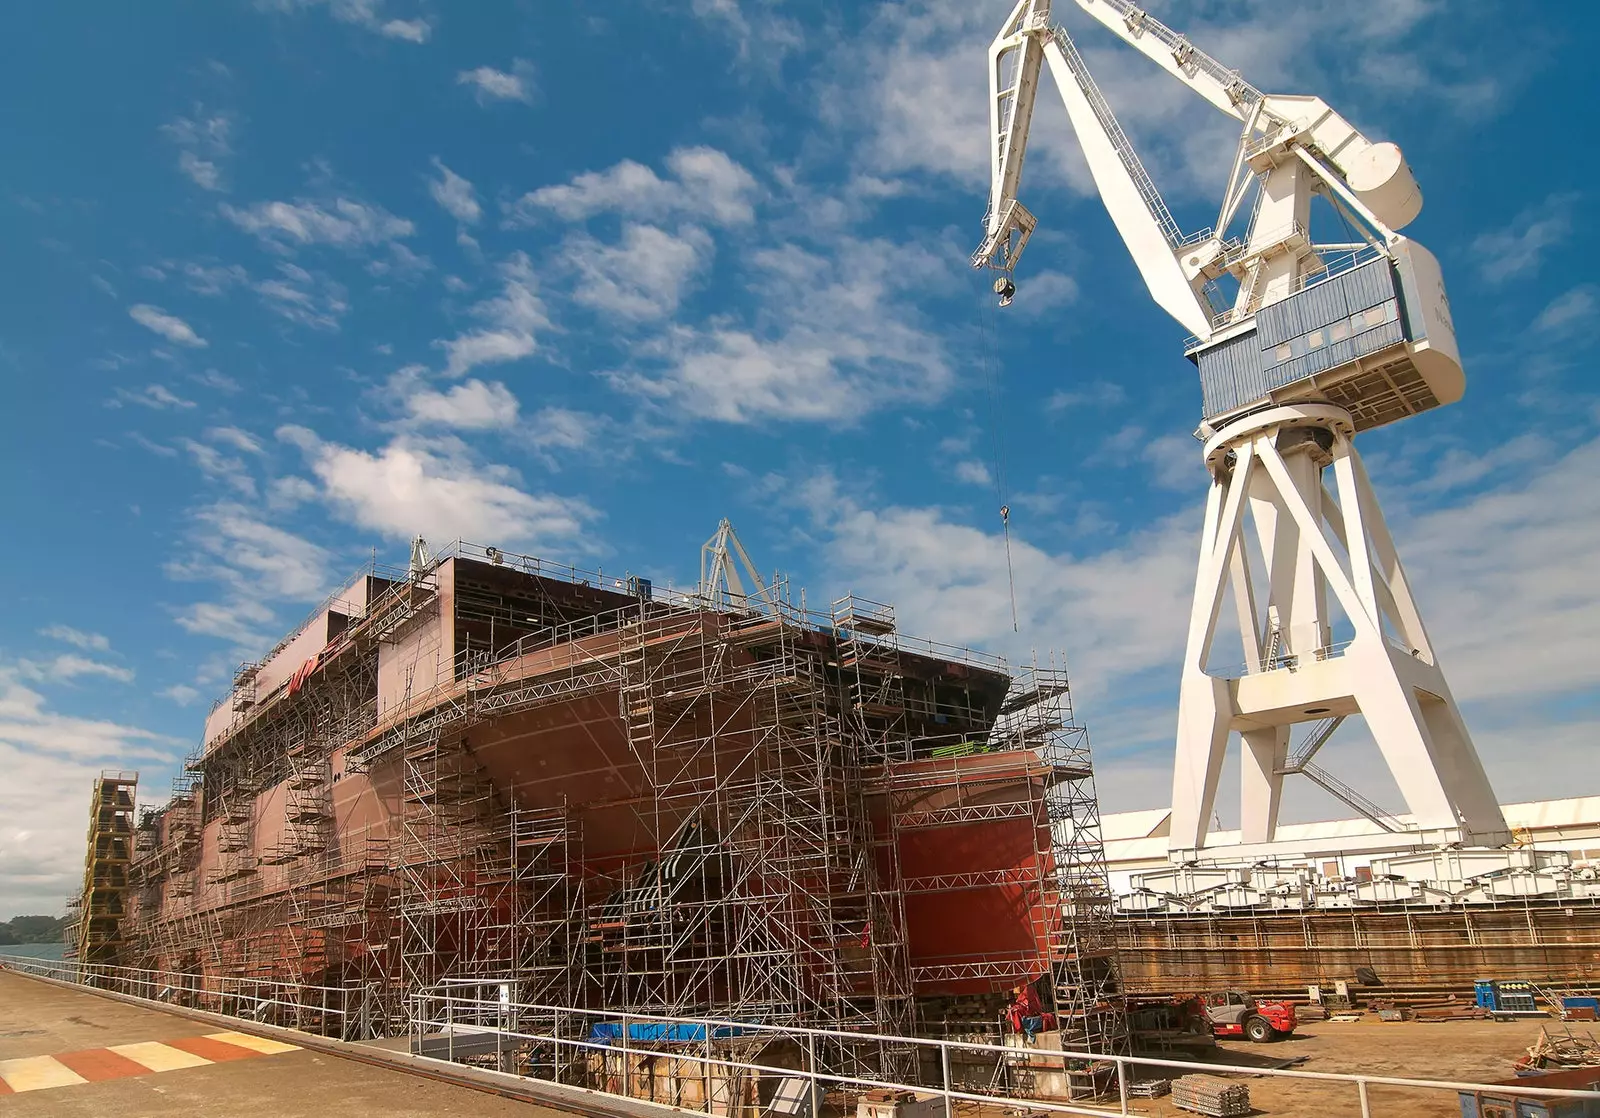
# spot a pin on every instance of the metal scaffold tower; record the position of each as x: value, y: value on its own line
x: 1090, y: 1004
x: 104, y: 900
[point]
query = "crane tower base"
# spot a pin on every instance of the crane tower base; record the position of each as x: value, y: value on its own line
x: 1310, y: 544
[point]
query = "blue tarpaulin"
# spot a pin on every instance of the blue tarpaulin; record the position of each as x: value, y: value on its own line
x: 609, y: 1031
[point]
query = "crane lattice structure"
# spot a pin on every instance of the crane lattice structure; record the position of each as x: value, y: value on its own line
x: 1300, y: 344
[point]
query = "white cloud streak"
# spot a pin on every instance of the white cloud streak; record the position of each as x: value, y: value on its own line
x: 454, y: 194
x: 169, y: 326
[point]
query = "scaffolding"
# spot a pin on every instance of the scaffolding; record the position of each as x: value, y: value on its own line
x: 104, y: 900
x: 769, y: 764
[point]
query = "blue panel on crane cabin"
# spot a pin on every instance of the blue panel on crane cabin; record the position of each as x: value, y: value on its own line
x: 1278, y: 323
x: 1230, y: 373
x: 1368, y: 285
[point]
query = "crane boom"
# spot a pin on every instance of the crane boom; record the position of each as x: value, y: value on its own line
x: 1298, y: 137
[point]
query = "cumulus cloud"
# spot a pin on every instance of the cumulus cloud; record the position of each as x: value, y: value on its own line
x: 471, y: 405
x: 831, y: 338
x: 641, y: 277
x: 454, y: 194
x: 410, y: 487
x: 169, y: 326
x: 702, y: 184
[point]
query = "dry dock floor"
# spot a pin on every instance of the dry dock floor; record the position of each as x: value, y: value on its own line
x: 126, y: 1061
x: 1471, y: 1051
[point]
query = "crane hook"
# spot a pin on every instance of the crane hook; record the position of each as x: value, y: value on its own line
x: 1005, y: 288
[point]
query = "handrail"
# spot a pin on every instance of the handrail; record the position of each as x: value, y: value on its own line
x: 444, y: 1012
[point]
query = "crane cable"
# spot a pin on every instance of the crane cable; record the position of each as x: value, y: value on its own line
x: 997, y: 450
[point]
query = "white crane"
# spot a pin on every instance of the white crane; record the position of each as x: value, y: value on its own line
x: 1299, y: 346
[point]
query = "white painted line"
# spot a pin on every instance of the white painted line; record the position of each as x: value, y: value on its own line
x: 159, y: 1057
x: 33, y: 1073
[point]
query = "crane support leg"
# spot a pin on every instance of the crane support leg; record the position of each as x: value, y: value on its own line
x: 1271, y: 464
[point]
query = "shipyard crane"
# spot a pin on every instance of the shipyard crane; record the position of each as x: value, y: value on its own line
x: 1300, y: 345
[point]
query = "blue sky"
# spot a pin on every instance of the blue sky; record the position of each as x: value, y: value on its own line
x: 289, y: 281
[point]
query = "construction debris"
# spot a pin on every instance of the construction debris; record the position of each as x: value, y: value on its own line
x: 1210, y: 1094
x: 1560, y: 1051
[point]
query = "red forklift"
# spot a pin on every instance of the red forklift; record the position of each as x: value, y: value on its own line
x: 1233, y: 1013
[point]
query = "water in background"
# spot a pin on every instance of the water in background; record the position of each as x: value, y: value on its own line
x: 34, y: 950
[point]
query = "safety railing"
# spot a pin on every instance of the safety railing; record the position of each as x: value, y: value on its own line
x: 615, y: 1052
x: 350, y: 1012
x: 610, y: 1051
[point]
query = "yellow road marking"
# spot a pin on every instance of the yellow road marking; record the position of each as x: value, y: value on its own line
x: 32, y: 1073
x: 159, y: 1057
x: 254, y: 1043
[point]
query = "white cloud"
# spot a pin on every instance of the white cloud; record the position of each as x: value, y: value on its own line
x: 511, y: 318
x: 51, y: 760
x: 342, y: 222
x: 1118, y: 611
x: 1095, y: 394
x: 360, y: 13
x: 775, y: 34
x: 180, y: 693
x: 1570, y: 310
x: 220, y: 467
x: 89, y: 642
x: 69, y: 666
x: 1518, y: 248
x: 454, y: 194
x: 232, y: 544
x: 471, y: 405
x: 1039, y: 293
x: 243, y: 623
x: 831, y: 338
x: 411, y: 30
x: 203, y: 140
x: 202, y: 172
x: 1513, y: 615
x: 973, y: 472
x: 703, y: 184
x: 309, y: 300
x: 432, y: 488
x: 154, y: 396
x: 643, y: 276
x: 169, y: 326
x: 212, y: 279
x: 235, y: 437
x: 498, y: 85
x: 561, y: 429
